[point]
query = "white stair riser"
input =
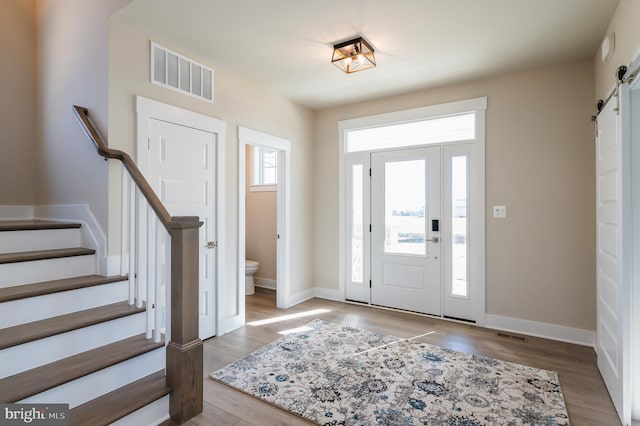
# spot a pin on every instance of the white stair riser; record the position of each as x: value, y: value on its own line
x: 45, y: 239
x: 40, y: 352
x: 45, y: 270
x: 153, y: 414
x: 86, y: 388
x: 51, y: 305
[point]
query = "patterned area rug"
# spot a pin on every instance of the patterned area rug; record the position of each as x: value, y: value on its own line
x: 333, y: 374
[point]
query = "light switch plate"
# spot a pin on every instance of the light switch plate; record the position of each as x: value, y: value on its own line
x: 499, y: 212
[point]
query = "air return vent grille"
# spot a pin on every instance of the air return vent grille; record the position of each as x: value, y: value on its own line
x: 177, y: 72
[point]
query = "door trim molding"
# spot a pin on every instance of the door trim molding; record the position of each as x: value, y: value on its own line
x: 149, y: 109
x: 246, y: 137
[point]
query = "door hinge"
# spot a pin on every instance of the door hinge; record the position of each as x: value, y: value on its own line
x: 369, y: 227
x: 369, y: 283
x: 369, y: 171
x: 148, y: 143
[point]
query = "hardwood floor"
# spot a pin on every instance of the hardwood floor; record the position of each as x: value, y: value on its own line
x: 586, y: 397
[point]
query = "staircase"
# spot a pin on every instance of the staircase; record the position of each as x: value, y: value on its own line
x: 70, y: 336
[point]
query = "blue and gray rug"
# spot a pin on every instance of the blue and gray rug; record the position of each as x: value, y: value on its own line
x: 333, y: 374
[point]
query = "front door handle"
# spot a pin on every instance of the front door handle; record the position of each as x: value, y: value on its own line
x: 434, y: 240
x: 211, y: 244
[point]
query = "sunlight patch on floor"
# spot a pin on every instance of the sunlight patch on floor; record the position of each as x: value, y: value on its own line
x: 295, y: 330
x: 393, y: 343
x: 288, y: 317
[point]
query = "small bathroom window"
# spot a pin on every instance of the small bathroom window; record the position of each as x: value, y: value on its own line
x: 264, y: 169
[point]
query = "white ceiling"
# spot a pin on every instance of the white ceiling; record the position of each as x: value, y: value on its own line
x: 286, y: 45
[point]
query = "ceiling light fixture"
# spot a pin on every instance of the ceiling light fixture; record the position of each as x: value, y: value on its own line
x: 353, y: 55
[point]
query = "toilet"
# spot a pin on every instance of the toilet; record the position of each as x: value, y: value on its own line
x: 250, y: 268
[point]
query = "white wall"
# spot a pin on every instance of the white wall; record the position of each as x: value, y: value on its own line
x: 539, y: 163
x: 72, y: 69
x: 18, y: 108
x: 237, y: 102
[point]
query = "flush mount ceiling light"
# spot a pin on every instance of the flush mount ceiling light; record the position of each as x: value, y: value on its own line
x: 353, y: 55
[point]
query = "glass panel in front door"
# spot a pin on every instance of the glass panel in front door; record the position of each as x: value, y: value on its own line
x: 357, y: 231
x: 459, y: 284
x: 405, y: 207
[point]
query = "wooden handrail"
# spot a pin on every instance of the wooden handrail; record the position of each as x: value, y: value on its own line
x: 184, y: 361
x: 168, y: 221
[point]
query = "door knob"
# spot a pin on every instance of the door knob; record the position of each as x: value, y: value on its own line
x: 434, y: 240
x: 211, y: 244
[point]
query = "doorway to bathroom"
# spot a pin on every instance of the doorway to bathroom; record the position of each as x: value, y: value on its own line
x: 261, y: 209
x: 263, y: 214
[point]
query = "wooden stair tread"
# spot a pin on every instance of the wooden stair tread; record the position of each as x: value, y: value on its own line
x: 34, y: 225
x: 121, y: 402
x: 28, y: 256
x: 24, y: 333
x: 23, y: 385
x: 48, y: 287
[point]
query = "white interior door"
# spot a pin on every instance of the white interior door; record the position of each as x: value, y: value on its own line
x: 181, y: 170
x: 612, y: 290
x: 405, y: 241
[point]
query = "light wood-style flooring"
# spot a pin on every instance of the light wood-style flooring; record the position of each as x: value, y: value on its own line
x: 586, y: 397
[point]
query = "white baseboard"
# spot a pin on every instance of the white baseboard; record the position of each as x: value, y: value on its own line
x: 92, y: 234
x: 531, y: 328
x: 16, y: 212
x: 540, y: 329
x: 301, y: 296
x: 330, y: 294
x: 264, y: 283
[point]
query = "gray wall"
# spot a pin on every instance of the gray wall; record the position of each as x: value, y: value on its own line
x: 18, y: 108
x: 627, y: 45
x: 539, y: 163
x: 73, y: 65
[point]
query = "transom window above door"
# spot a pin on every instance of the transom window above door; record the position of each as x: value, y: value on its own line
x: 453, y: 128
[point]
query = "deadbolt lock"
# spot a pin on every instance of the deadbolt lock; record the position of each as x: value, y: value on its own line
x: 212, y: 244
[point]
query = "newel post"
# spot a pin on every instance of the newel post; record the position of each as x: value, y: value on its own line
x: 184, y: 351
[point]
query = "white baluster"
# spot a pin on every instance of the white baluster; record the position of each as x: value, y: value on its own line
x: 123, y: 221
x: 151, y: 271
x: 157, y: 332
x: 132, y: 241
x: 141, y: 250
x: 167, y: 287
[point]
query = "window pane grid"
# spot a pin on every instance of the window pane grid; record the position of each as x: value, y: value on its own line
x: 264, y: 167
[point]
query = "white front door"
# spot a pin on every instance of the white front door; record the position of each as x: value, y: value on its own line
x: 405, y: 235
x: 182, y: 172
x: 612, y: 290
